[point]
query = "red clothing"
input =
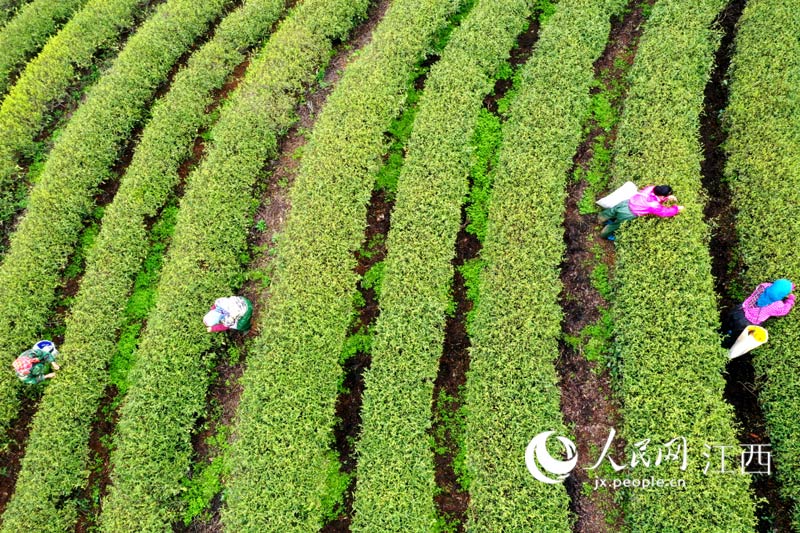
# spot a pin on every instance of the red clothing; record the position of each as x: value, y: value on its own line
x: 756, y: 315
x: 645, y: 202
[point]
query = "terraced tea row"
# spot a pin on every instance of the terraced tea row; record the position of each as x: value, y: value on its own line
x: 153, y: 440
x: 79, y: 163
x: 284, y: 474
x: 290, y: 386
x: 664, y: 308
x: 394, y: 493
x: 70, y: 402
x: 512, y: 391
x: 45, y: 79
x: 27, y: 32
x: 763, y: 160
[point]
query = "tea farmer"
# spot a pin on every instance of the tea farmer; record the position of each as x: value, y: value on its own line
x: 767, y: 301
x: 648, y: 201
x: 232, y: 312
x: 33, y: 366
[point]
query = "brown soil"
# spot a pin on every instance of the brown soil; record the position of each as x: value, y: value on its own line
x: 273, y: 211
x: 10, y: 459
x: 224, y: 393
x: 451, y: 499
x: 741, y: 383
x: 719, y: 211
x: 519, y: 55
x: 99, y: 462
x: 199, y: 146
x: 348, y: 404
x: 587, y: 399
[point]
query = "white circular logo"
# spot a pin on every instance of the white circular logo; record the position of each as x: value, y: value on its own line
x: 537, y: 451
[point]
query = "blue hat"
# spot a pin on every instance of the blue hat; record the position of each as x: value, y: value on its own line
x: 46, y: 346
x: 778, y: 290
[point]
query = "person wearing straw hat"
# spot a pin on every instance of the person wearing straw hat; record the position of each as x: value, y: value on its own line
x: 650, y: 200
x: 232, y: 312
x: 767, y: 301
x: 33, y: 366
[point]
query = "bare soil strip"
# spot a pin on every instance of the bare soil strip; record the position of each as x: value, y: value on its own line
x: 11, y: 458
x: 99, y: 463
x: 452, y: 500
x: 587, y: 400
x: 269, y: 222
x: 348, y: 404
x: 741, y: 387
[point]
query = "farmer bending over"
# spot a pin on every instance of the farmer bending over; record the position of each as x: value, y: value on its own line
x: 767, y: 301
x: 233, y: 312
x: 648, y: 201
x: 33, y: 366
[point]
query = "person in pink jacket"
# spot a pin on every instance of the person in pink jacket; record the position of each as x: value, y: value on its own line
x: 767, y: 301
x: 650, y: 200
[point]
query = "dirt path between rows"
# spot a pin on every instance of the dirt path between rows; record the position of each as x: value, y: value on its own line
x: 452, y: 500
x: 741, y: 389
x: 587, y: 398
x: 11, y: 458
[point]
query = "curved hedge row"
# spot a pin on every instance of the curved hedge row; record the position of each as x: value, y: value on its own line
x: 665, y: 311
x: 153, y: 445
x: 29, y: 30
x: 43, y: 498
x: 763, y: 161
x: 395, y: 492
x: 283, y: 469
x: 512, y: 387
x: 78, y: 163
x: 46, y: 78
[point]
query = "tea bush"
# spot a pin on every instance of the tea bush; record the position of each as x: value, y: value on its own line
x: 27, y: 32
x: 44, y: 496
x: 763, y: 149
x: 80, y: 161
x: 46, y: 78
x: 153, y: 442
x: 512, y: 389
x: 283, y: 467
x: 665, y: 312
x: 395, y: 493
